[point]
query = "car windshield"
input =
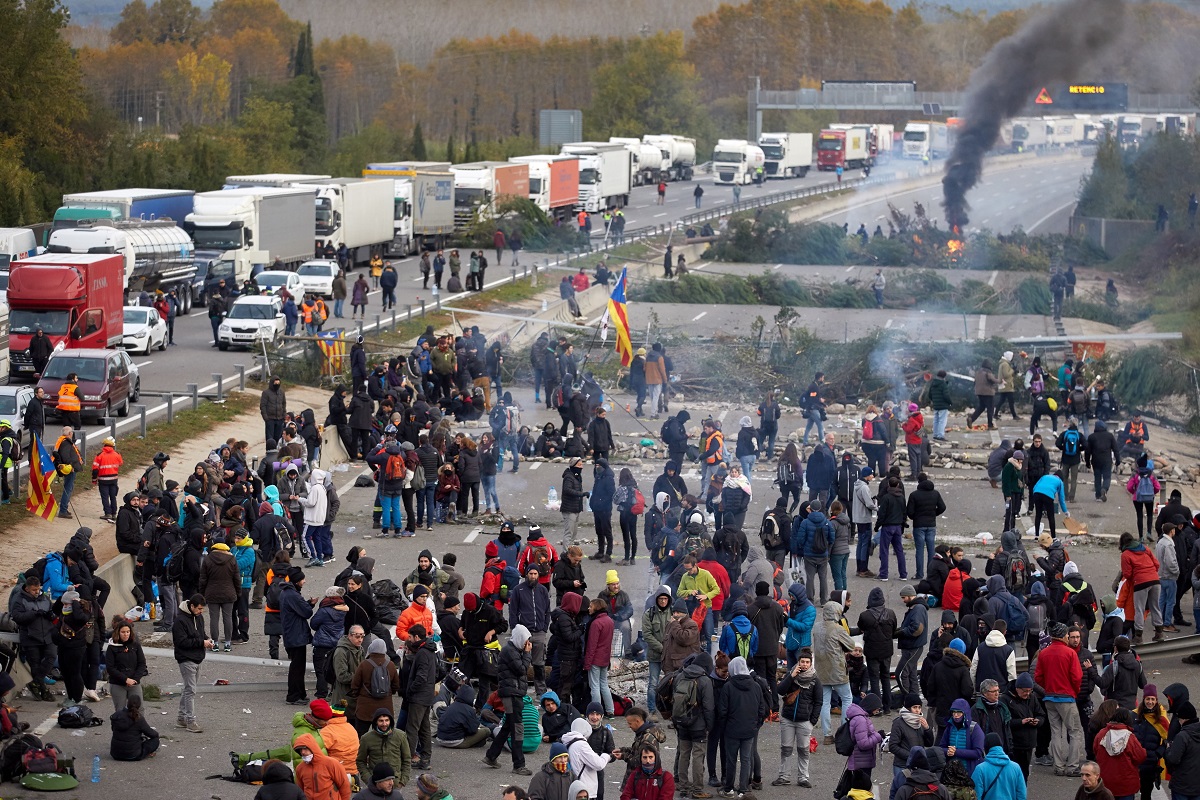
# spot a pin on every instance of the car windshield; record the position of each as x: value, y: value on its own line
x: 252, y: 311
x: 137, y: 316
x: 8, y: 404
x: 914, y: 136
x: 314, y: 269
x: 87, y: 369
x: 271, y: 280
x: 54, y: 323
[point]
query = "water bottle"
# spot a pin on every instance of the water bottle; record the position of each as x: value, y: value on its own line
x: 95, y: 769
x: 551, y: 496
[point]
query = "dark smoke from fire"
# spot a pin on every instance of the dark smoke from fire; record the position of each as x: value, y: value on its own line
x: 1052, y: 47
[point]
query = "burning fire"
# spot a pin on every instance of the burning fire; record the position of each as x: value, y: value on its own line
x: 916, y: 239
x: 955, y: 246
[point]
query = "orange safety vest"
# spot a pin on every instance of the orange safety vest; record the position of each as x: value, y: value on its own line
x: 307, y: 309
x: 68, y: 400
x: 1137, y: 429
x: 322, y: 314
x: 58, y: 445
x: 107, y: 464
x: 582, y: 218
x: 718, y: 456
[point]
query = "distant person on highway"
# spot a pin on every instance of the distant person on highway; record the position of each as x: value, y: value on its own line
x: 515, y: 243
x: 698, y: 193
x: 387, y: 282
x: 216, y: 313
x: 878, y: 283
x: 40, y: 348
x: 376, y: 270
x: 35, y: 415
x: 669, y: 262
x: 499, y: 242
x: 839, y: 174
x: 339, y: 294
x: 662, y: 197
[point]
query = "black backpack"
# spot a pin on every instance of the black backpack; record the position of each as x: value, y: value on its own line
x: 143, y: 483
x: 843, y: 740
x: 12, y: 757
x: 78, y: 717
x: 380, y: 685
x: 173, y: 563
x: 820, y: 542
x: 771, y: 533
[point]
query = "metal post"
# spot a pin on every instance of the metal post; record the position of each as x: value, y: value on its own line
x: 422, y: 309
x: 216, y: 376
x: 195, y: 392
x: 360, y: 327
x: 378, y: 327
x: 170, y: 398
x: 514, y: 275
x: 241, y: 368
x: 437, y: 299
x: 533, y: 280
x: 141, y: 409
x: 112, y: 427
x: 82, y: 441
x: 394, y: 316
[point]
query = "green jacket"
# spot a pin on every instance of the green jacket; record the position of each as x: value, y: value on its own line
x: 346, y: 658
x: 1011, y: 482
x: 704, y: 583
x: 442, y: 363
x: 301, y: 725
x: 375, y: 748
x: 654, y: 629
x: 1007, y: 382
x: 939, y: 394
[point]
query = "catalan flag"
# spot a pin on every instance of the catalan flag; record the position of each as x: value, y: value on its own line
x: 333, y: 347
x: 41, y: 472
x: 616, y: 312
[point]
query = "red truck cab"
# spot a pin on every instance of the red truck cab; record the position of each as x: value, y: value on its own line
x: 831, y: 150
x: 76, y: 299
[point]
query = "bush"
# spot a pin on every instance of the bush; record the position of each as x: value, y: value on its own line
x: 1033, y: 297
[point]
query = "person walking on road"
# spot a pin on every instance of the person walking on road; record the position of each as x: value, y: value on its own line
x: 499, y: 242
x: 698, y: 193
x: 190, y: 643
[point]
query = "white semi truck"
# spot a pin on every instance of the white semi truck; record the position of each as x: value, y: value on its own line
x: 788, y: 155
x: 735, y: 161
x: 678, y: 155
x: 605, y: 174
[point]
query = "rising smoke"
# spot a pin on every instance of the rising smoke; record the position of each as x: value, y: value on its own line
x: 1051, y: 47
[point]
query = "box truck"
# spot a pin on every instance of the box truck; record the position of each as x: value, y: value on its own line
x: 76, y: 299
x: 158, y: 253
x: 926, y: 140
x: 356, y: 212
x: 1028, y: 133
x: 118, y: 204
x: 553, y: 183
x: 605, y: 174
x: 480, y: 185
x: 237, y: 230
x: 423, y: 211
x: 788, y: 155
x: 736, y: 161
x: 678, y: 155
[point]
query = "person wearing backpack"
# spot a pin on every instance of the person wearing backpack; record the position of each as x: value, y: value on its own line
x: 1143, y: 488
x: 693, y: 713
x: 743, y: 709
x: 879, y: 628
x: 1071, y: 444
x: 811, y: 540
x: 373, y: 686
x: 392, y: 470
x: 739, y: 637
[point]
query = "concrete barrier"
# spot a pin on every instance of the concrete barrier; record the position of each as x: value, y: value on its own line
x: 118, y: 571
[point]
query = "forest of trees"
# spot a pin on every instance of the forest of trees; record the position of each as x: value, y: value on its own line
x: 173, y: 96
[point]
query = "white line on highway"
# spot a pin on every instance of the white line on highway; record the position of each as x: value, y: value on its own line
x: 849, y: 268
x: 722, y: 417
x: 777, y: 266
x: 888, y: 325
x: 982, y: 324
x: 1035, y: 225
x: 986, y: 221
x: 656, y: 216
x: 1014, y: 205
x: 145, y: 363
x: 698, y: 316
x: 992, y: 280
x: 472, y: 536
x: 701, y: 265
x: 535, y: 465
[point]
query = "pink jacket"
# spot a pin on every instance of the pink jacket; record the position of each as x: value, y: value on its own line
x: 1131, y: 484
x: 599, y: 642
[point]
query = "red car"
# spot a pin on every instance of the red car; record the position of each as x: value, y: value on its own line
x: 108, y: 381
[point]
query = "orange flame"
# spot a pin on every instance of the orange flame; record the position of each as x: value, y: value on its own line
x: 954, y: 246
x: 916, y: 239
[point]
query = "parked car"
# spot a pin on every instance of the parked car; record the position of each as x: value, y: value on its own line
x: 251, y: 320
x: 316, y: 276
x: 14, y: 398
x: 108, y: 381
x: 144, y: 330
x: 272, y: 280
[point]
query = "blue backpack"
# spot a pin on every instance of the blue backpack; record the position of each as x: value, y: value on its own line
x: 1071, y: 443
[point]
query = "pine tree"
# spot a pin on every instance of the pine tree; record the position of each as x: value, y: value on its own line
x: 418, y: 144
x: 451, y: 154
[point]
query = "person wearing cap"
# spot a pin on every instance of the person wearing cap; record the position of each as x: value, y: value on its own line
x: 998, y: 777
x: 106, y: 468
x: 1060, y: 674
x: 382, y: 783
x: 555, y: 777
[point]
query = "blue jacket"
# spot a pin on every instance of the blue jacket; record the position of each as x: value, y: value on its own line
x: 913, y: 632
x: 998, y: 777
x: 54, y: 577
x: 529, y: 606
x: 971, y: 751
x: 740, y: 624
x: 294, y: 613
x: 821, y: 470
x: 327, y: 624
x: 801, y: 618
x: 245, y: 561
x: 458, y: 720
x: 803, y: 538
x: 1052, y: 486
x: 603, y: 489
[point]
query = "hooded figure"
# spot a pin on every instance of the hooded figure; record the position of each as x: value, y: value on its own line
x: 802, y: 616
x: 964, y: 735
x: 831, y: 642
x: 317, y: 774
x: 671, y: 483
x: 382, y: 743
x: 585, y: 762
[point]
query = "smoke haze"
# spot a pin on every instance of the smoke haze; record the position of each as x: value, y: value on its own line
x: 1051, y: 47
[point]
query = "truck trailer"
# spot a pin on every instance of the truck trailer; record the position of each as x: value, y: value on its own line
x: 678, y: 155
x: 75, y: 299
x: 279, y: 180
x: 119, y: 204
x: 926, y: 140
x: 356, y: 212
x: 788, y: 155
x: 423, y: 210
x: 605, y: 174
x: 647, y: 160
x: 736, y: 161
x: 553, y: 183
x: 237, y: 230
x: 480, y: 185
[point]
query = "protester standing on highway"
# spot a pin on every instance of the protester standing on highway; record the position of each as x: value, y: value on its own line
x: 339, y: 293
x: 499, y: 242
x: 272, y: 406
x: 514, y: 663
x: 294, y: 614
x: 68, y: 462
x: 387, y: 282
x: 986, y: 383
x: 106, y: 467
x: 216, y: 312
x: 698, y: 193
x: 68, y: 404
x: 187, y: 635
x: 34, y: 419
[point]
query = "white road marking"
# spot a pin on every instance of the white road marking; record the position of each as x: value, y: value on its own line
x: 536, y: 464
x: 1037, y: 224
x: 701, y: 265
x: 992, y: 280
x: 722, y: 417
x: 698, y: 316
x: 982, y: 325
x: 656, y: 216
x: 849, y: 268
x: 986, y: 221
x: 888, y: 325
x: 144, y: 363
x: 472, y: 536
x: 777, y: 266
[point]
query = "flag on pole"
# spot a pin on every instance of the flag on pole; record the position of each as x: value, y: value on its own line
x: 620, y: 320
x: 41, y: 472
x: 333, y: 347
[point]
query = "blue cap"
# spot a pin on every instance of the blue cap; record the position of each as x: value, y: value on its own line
x: 865, y: 472
x: 959, y: 645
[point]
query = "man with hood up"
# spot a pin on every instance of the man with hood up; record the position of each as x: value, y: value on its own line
x: 458, y: 724
x: 924, y: 506
x: 1183, y: 752
x: 655, y: 620
x: 919, y: 779
x: 961, y: 736
x: 555, y: 777
x: 812, y: 541
x: 743, y: 709
x: 739, y: 637
x: 998, y: 776
x: 585, y: 762
x: 316, y: 510
x: 567, y: 642
x: 515, y: 661
x: 318, y: 775
x: 693, y: 714
x: 674, y: 434
x: 830, y: 643
x: 571, y: 498
x: 995, y: 659
x: 604, y: 488
x: 671, y: 483
x: 878, y: 625
x: 557, y: 716
x: 802, y: 617
x: 1102, y: 456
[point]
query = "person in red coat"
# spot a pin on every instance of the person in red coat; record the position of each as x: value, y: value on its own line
x: 1120, y: 754
x: 1060, y: 674
x: 597, y: 657
x: 651, y: 782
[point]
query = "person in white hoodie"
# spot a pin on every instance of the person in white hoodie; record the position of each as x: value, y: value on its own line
x: 585, y: 761
x: 316, y: 507
x: 1168, y: 574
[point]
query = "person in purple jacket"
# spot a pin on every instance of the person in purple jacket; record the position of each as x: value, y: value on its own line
x: 866, y: 739
x: 963, y: 738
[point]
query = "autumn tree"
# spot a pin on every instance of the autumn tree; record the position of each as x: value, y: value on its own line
x: 175, y: 21
x: 199, y: 89
x: 134, y: 25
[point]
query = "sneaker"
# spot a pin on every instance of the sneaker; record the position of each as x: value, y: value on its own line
x: 192, y: 727
x: 522, y: 771
x: 406, y: 534
x: 90, y: 695
x: 1044, y: 761
x: 428, y: 527
x: 727, y: 793
x: 228, y: 647
x: 781, y: 781
x: 301, y: 701
x: 716, y: 783
x: 805, y: 783
x: 1071, y: 772
x: 489, y: 762
x: 882, y: 579
x: 1104, y: 497
x: 181, y: 723
x: 756, y: 785
x: 701, y: 795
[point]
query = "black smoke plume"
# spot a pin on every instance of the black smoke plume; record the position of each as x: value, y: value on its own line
x: 1051, y: 47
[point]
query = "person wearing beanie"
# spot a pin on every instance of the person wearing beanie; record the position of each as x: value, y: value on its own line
x: 680, y: 640
x: 366, y: 687
x: 865, y: 737
x: 382, y: 784
x: 220, y: 583
x: 421, y: 668
x: 918, y: 778
x: 1183, y: 752
x: 997, y: 777
x: 529, y: 605
x: 294, y: 615
x: 1028, y: 715
x: 910, y: 732
x: 417, y: 613
x: 911, y: 637
x: 769, y: 620
x: 949, y: 683
x: 799, y: 711
x: 862, y: 511
x: 312, y: 723
x: 555, y: 777
x: 327, y: 624
x: 341, y: 739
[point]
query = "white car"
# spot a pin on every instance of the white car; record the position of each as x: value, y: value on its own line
x: 272, y: 280
x: 250, y: 321
x: 13, y: 400
x: 317, y: 276
x: 144, y: 330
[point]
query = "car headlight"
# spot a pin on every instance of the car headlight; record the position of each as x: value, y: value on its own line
x: 224, y: 329
x: 92, y: 397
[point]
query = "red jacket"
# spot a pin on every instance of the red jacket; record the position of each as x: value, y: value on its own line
x: 658, y: 785
x: 581, y: 282
x: 952, y: 591
x: 721, y: 576
x: 489, y: 588
x: 1120, y: 771
x: 1058, y: 670
x: 107, y: 464
x: 912, y: 428
x: 599, y: 642
x: 526, y: 558
x: 1139, y: 566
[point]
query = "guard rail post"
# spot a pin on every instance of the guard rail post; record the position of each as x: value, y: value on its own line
x: 111, y: 422
x: 422, y: 308
x: 141, y: 410
x: 378, y: 325
x: 514, y: 275
x: 82, y: 441
x: 194, y: 389
x: 220, y: 380
x: 170, y: 398
x: 241, y: 368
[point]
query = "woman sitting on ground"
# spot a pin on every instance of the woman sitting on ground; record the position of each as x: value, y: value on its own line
x: 132, y: 737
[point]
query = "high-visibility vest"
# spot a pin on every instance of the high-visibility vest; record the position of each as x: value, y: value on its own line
x: 582, y: 218
x: 107, y: 463
x: 68, y: 399
x: 719, y: 455
x: 322, y: 314
x: 307, y: 309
